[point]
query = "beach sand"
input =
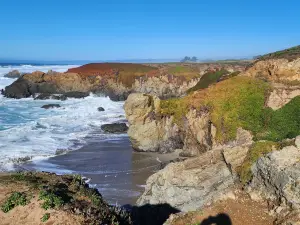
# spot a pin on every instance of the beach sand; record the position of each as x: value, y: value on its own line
x: 110, y: 165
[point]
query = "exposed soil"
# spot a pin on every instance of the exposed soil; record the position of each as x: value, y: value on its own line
x: 239, y: 211
x: 66, y: 200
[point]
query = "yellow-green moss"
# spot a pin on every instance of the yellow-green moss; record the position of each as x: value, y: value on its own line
x: 240, y: 102
x: 236, y: 102
x: 257, y: 150
x: 176, y: 107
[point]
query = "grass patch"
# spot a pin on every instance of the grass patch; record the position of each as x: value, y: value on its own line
x: 15, y: 199
x: 257, y: 150
x: 51, y: 200
x: 45, y: 217
x: 208, y: 79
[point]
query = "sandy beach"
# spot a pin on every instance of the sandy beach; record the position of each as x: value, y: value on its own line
x: 109, y: 165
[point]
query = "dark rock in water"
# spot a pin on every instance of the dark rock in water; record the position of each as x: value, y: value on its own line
x: 21, y: 88
x: 101, y: 109
x: 49, y: 106
x: 117, y: 96
x: 13, y: 74
x: 76, y: 94
x: 45, y: 96
x: 115, y: 128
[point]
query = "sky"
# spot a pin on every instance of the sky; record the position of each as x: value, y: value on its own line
x: 145, y: 29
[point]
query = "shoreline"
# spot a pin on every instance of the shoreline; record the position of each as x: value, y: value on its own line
x: 110, y: 165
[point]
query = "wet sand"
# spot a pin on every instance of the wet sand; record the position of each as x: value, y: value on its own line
x: 110, y: 165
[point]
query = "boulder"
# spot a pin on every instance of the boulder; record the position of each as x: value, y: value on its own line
x: 49, y: 106
x: 277, y: 177
x: 115, y: 128
x: 190, y: 184
x: 13, y: 74
x: 101, y: 109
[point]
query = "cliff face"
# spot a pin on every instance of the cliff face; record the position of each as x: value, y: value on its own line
x: 117, y: 80
x: 276, y: 70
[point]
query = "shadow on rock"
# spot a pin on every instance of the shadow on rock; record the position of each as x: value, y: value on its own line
x: 151, y: 214
x: 220, y: 219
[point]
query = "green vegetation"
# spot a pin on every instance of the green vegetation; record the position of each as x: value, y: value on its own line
x: 56, y: 191
x: 187, y: 72
x: 258, y: 150
x: 45, y: 217
x: 239, y: 102
x: 15, y: 199
x: 290, y: 54
x: 208, y: 79
x: 51, y: 199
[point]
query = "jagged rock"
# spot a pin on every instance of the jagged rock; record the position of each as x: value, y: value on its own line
x: 147, y: 134
x: 115, y: 128
x: 13, y: 74
x: 190, y: 184
x: 277, y: 177
x: 278, y: 70
x: 282, y: 95
x: 49, y: 106
x: 236, y: 152
x: 101, y: 109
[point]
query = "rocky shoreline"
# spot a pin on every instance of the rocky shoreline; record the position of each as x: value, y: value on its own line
x: 239, y: 130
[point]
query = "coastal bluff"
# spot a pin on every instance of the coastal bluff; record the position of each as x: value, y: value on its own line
x: 117, y: 80
x: 239, y: 138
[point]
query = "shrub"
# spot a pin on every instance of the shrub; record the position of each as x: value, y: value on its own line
x: 208, y: 79
x: 51, y: 200
x: 45, y: 217
x: 15, y: 199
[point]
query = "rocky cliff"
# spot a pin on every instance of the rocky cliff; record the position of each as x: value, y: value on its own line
x: 228, y: 127
x: 116, y: 80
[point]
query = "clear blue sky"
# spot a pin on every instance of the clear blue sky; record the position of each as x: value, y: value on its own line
x: 139, y: 29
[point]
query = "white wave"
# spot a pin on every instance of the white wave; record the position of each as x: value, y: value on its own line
x: 37, y: 132
x: 27, y: 130
x: 29, y: 69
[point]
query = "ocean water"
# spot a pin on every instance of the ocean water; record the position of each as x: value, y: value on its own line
x: 28, y: 131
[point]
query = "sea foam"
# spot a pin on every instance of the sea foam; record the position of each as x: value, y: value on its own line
x: 28, y: 131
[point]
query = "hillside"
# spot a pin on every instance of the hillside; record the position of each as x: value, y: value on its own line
x: 289, y: 54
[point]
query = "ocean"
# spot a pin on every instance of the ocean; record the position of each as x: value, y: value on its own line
x: 69, y: 140
x: 29, y: 132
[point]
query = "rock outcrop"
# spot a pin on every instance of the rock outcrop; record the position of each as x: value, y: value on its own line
x: 145, y: 132
x: 153, y: 132
x: 281, y: 95
x: 190, y: 184
x: 13, y: 74
x: 276, y: 178
x: 116, y: 80
x: 276, y: 70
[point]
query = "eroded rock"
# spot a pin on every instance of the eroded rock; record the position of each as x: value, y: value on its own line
x: 190, y: 184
